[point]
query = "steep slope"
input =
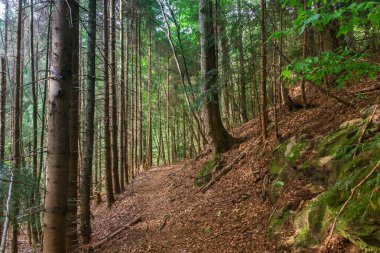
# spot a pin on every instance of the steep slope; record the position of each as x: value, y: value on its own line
x: 234, y: 214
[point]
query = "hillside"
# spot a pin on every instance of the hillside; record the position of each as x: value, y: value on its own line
x: 233, y: 215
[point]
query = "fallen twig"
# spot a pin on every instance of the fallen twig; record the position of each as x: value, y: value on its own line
x: 113, y: 234
x: 364, y: 131
x: 277, y: 204
x: 341, y: 100
x: 370, y: 89
x: 353, y: 190
x: 165, y: 219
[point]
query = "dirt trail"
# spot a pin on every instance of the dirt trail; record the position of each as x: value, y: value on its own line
x: 178, y: 219
x: 233, y: 215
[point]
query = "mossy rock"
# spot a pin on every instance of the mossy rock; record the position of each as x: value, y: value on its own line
x: 278, y: 220
x: 312, y: 223
x: 284, y: 159
x: 204, y: 175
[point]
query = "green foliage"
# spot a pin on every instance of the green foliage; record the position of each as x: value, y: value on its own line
x: 341, y: 66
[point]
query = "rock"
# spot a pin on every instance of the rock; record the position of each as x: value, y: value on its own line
x: 325, y: 160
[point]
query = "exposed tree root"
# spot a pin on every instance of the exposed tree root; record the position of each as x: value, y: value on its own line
x: 364, y: 131
x: 222, y: 172
x: 353, y: 190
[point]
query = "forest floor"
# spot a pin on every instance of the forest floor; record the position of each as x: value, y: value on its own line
x: 232, y: 216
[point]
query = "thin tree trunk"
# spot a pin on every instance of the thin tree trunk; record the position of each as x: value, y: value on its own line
x: 17, y: 124
x: 113, y: 96
x: 264, y: 113
x: 107, y: 132
x: 3, y: 243
x: 89, y: 110
x: 150, y: 145
x: 122, y: 117
x: 243, y: 94
x: 72, y: 224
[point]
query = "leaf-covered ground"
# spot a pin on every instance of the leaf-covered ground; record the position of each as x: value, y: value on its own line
x: 233, y: 215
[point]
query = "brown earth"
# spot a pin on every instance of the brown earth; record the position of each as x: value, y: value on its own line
x: 233, y: 215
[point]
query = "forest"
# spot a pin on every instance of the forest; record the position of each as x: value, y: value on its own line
x: 189, y: 126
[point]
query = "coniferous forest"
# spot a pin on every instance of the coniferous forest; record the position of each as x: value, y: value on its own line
x: 189, y: 126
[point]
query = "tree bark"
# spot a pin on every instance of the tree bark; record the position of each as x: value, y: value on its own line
x: 264, y: 113
x: 221, y: 140
x: 72, y: 224
x: 58, y: 143
x: 107, y: 132
x: 150, y: 139
x: 89, y: 110
x: 17, y: 124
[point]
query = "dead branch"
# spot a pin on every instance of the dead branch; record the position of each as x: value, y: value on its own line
x: 353, y: 190
x: 364, y: 131
x: 329, y: 94
x: 115, y: 233
x: 370, y: 89
x: 165, y: 219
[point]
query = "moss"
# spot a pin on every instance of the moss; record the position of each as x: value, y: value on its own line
x: 204, y: 175
x: 304, y: 238
x: 278, y: 220
x: 296, y: 150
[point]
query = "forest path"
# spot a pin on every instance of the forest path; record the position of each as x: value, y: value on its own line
x: 147, y: 196
x: 177, y: 218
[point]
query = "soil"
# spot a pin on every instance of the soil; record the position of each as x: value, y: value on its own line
x: 233, y: 215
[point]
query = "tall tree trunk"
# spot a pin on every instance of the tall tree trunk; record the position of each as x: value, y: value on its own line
x: 221, y: 140
x: 88, y: 123
x: 43, y: 116
x: 4, y: 61
x: 113, y: 96
x: 150, y: 139
x: 304, y: 55
x: 72, y: 225
x: 17, y: 124
x: 107, y: 132
x: 243, y: 92
x: 58, y: 144
x: 3, y: 103
x: 225, y: 66
x: 122, y: 131
x: 264, y: 113
x: 34, y: 217
x: 127, y: 106
x: 141, y: 158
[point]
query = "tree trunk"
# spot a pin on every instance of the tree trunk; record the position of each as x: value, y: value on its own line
x: 113, y: 96
x: 88, y: 123
x: 221, y: 140
x: 107, y: 132
x: 17, y: 124
x: 122, y: 131
x: 243, y: 94
x: 150, y: 139
x: 58, y: 144
x: 264, y: 113
x: 72, y: 224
